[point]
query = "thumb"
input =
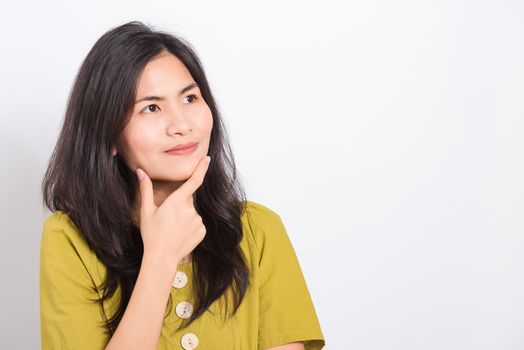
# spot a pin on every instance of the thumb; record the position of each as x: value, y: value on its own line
x: 147, y: 203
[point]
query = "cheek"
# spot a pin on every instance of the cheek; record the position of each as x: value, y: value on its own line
x: 207, y: 120
x: 140, y: 140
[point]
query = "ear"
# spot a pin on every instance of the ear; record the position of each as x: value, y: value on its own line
x: 114, y: 151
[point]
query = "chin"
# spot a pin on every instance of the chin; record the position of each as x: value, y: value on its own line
x: 180, y: 170
x: 169, y: 178
x: 176, y: 175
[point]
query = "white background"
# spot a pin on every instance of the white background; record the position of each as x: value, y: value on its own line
x: 387, y: 135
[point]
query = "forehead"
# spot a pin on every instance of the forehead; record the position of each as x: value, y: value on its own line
x: 163, y: 72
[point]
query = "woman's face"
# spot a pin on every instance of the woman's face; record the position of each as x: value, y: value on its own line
x: 167, y: 112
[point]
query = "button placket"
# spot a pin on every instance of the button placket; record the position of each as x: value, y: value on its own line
x: 184, y: 310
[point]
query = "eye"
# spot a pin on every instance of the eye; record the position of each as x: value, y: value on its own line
x: 148, y: 108
x: 192, y: 97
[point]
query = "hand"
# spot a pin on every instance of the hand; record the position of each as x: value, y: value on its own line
x: 172, y: 230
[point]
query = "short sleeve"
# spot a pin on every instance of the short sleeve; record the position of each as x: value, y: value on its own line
x: 69, y: 319
x: 286, y: 310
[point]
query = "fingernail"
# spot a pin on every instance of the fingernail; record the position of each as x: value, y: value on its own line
x: 140, y: 173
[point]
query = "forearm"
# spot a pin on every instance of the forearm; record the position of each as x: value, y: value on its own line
x: 142, y: 321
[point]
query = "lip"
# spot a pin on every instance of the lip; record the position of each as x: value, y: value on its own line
x: 182, y: 149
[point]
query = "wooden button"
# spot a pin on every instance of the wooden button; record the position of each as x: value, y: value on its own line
x: 184, y: 309
x: 180, y: 280
x: 189, y: 341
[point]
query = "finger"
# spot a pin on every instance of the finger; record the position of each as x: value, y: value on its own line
x: 147, y: 203
x: 195, y: 180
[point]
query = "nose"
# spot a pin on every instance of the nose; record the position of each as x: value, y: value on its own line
x: 177, y: 122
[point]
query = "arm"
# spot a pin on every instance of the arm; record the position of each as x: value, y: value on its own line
x: 290, y: 346
x: 286, y: 312
x: 71, y: 316
x: 164, y: 241
x: 142, y: 321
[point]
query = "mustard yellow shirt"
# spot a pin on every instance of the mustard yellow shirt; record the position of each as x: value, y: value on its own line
x: 277, y: 309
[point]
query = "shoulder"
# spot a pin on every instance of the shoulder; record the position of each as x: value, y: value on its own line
x: 258, y: 213
x: 62, y: 239
x: 59, y: 226
x: 264, y: 225
x: 260, y: 219
x: 58, y: 220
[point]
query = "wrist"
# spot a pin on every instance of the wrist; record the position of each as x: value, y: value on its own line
x: 160, y: 264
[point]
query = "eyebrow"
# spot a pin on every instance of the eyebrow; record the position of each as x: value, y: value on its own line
x: 160, y: 98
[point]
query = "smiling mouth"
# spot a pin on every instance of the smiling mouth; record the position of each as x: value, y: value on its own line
x: 187, y: 145
x: 183, y: 150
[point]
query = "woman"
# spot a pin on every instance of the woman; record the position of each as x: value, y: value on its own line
x: 151, y: 244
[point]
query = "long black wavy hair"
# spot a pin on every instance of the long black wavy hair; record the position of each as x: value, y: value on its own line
x: 97, y: 190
